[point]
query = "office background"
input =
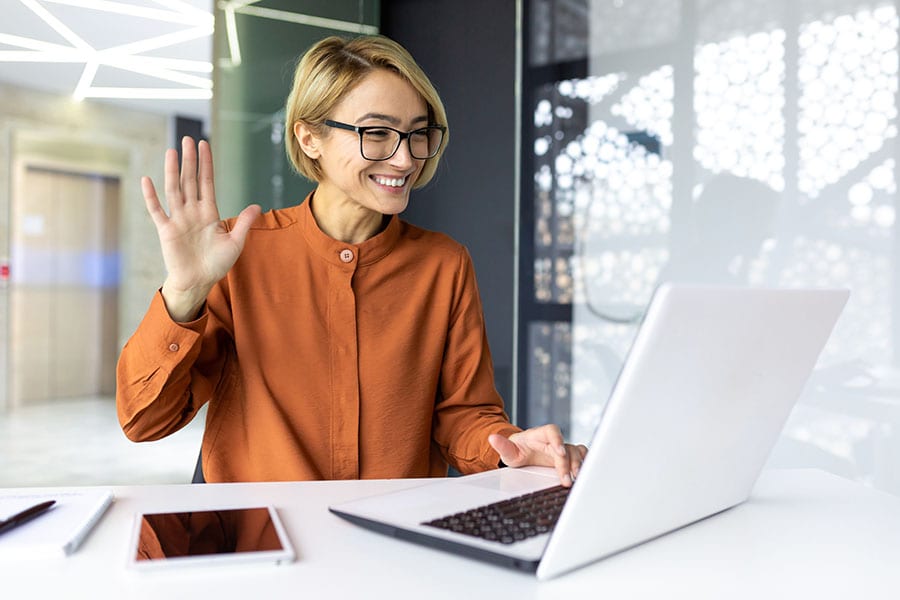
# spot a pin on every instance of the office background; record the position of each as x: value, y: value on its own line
x: 598, y: 147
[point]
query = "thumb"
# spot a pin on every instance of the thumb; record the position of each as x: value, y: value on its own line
x: 509, y: 452
x: 244, y: 221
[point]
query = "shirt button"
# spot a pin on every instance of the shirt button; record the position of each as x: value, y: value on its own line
x: 347, y: 255
x: 173, y: 347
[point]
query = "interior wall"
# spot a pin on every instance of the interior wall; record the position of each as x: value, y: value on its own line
x: 468, y: 50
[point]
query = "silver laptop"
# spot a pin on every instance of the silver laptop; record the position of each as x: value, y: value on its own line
x: 704, y: 393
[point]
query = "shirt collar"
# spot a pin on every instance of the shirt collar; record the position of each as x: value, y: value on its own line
x: 330, y: 249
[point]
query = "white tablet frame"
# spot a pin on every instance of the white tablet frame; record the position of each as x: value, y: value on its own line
x: 283, y: 556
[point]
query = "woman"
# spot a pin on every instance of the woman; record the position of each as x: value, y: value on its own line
x: 331, y: 339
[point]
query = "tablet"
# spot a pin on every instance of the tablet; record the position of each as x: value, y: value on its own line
x: 209, y: 537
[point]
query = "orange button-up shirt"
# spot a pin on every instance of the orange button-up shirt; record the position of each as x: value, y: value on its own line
x: 324, y: 360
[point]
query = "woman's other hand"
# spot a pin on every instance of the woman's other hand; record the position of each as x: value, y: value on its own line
x: 541, y: 446
x: 196, y: 248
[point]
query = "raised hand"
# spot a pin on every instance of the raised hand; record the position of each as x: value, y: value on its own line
x: 196, y: 248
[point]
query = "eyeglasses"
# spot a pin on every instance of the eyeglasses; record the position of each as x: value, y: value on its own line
x: 381, y: 143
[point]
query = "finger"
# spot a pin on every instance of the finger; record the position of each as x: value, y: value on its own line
x: 563, y: 468
x: 151, y: 200
x: 189, y: 169
x: 555, y: 439
x: 243, y: 223
x: 172, y: 182
x: 205, y: 172
x: 556, y: 448
x: 508, y: 451
x: 576, y: 459
x: 574, y: 464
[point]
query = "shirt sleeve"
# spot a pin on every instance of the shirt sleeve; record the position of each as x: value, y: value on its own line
x: 469, y: 408
x: 168, y: 370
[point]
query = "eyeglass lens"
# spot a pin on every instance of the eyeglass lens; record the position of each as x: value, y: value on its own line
x: 379, y: 144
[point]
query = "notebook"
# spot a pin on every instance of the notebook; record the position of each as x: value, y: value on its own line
x: 700, y: 401
x: 57, y: 532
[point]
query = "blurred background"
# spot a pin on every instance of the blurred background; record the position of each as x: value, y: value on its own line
x: 598, y: 148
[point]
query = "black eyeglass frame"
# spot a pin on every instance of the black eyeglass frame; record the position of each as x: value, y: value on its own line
x: 404, y: 135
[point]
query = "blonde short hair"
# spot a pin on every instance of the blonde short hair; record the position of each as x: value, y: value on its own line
x: 329, y: 70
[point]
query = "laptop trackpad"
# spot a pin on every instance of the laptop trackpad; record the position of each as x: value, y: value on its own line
x: 513, y: 480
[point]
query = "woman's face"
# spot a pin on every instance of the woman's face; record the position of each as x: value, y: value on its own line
x: 381, y: 98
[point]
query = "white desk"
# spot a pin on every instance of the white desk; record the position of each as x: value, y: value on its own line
x: 803, y: 534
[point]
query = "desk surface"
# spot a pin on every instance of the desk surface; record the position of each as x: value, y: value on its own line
x: 803, y: 534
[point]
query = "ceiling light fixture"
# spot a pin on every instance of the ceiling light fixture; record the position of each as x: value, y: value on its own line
x: 290, y: 17
x: 234, y: 44
x: 192, y: 77
x: 178, y: 12
x: 192, y: 24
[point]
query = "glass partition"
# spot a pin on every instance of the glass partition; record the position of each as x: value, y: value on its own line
x: 721, y: 142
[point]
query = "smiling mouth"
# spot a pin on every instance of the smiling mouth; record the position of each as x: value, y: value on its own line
x: 395, y: 182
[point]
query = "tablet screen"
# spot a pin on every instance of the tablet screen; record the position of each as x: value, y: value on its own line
x: 209, y: 537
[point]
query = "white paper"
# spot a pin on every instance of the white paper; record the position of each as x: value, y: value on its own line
x: 57, y: 532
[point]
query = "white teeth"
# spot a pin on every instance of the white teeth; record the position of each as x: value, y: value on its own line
x: 390, y: 182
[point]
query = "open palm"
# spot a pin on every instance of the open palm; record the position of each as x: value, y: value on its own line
x: 197, y: 249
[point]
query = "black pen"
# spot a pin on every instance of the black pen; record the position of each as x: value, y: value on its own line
x: 26, y: 515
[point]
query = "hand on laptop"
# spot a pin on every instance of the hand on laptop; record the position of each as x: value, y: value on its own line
x: 541, y: 446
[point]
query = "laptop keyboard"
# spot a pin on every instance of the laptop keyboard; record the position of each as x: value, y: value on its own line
x: 511, y: 520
